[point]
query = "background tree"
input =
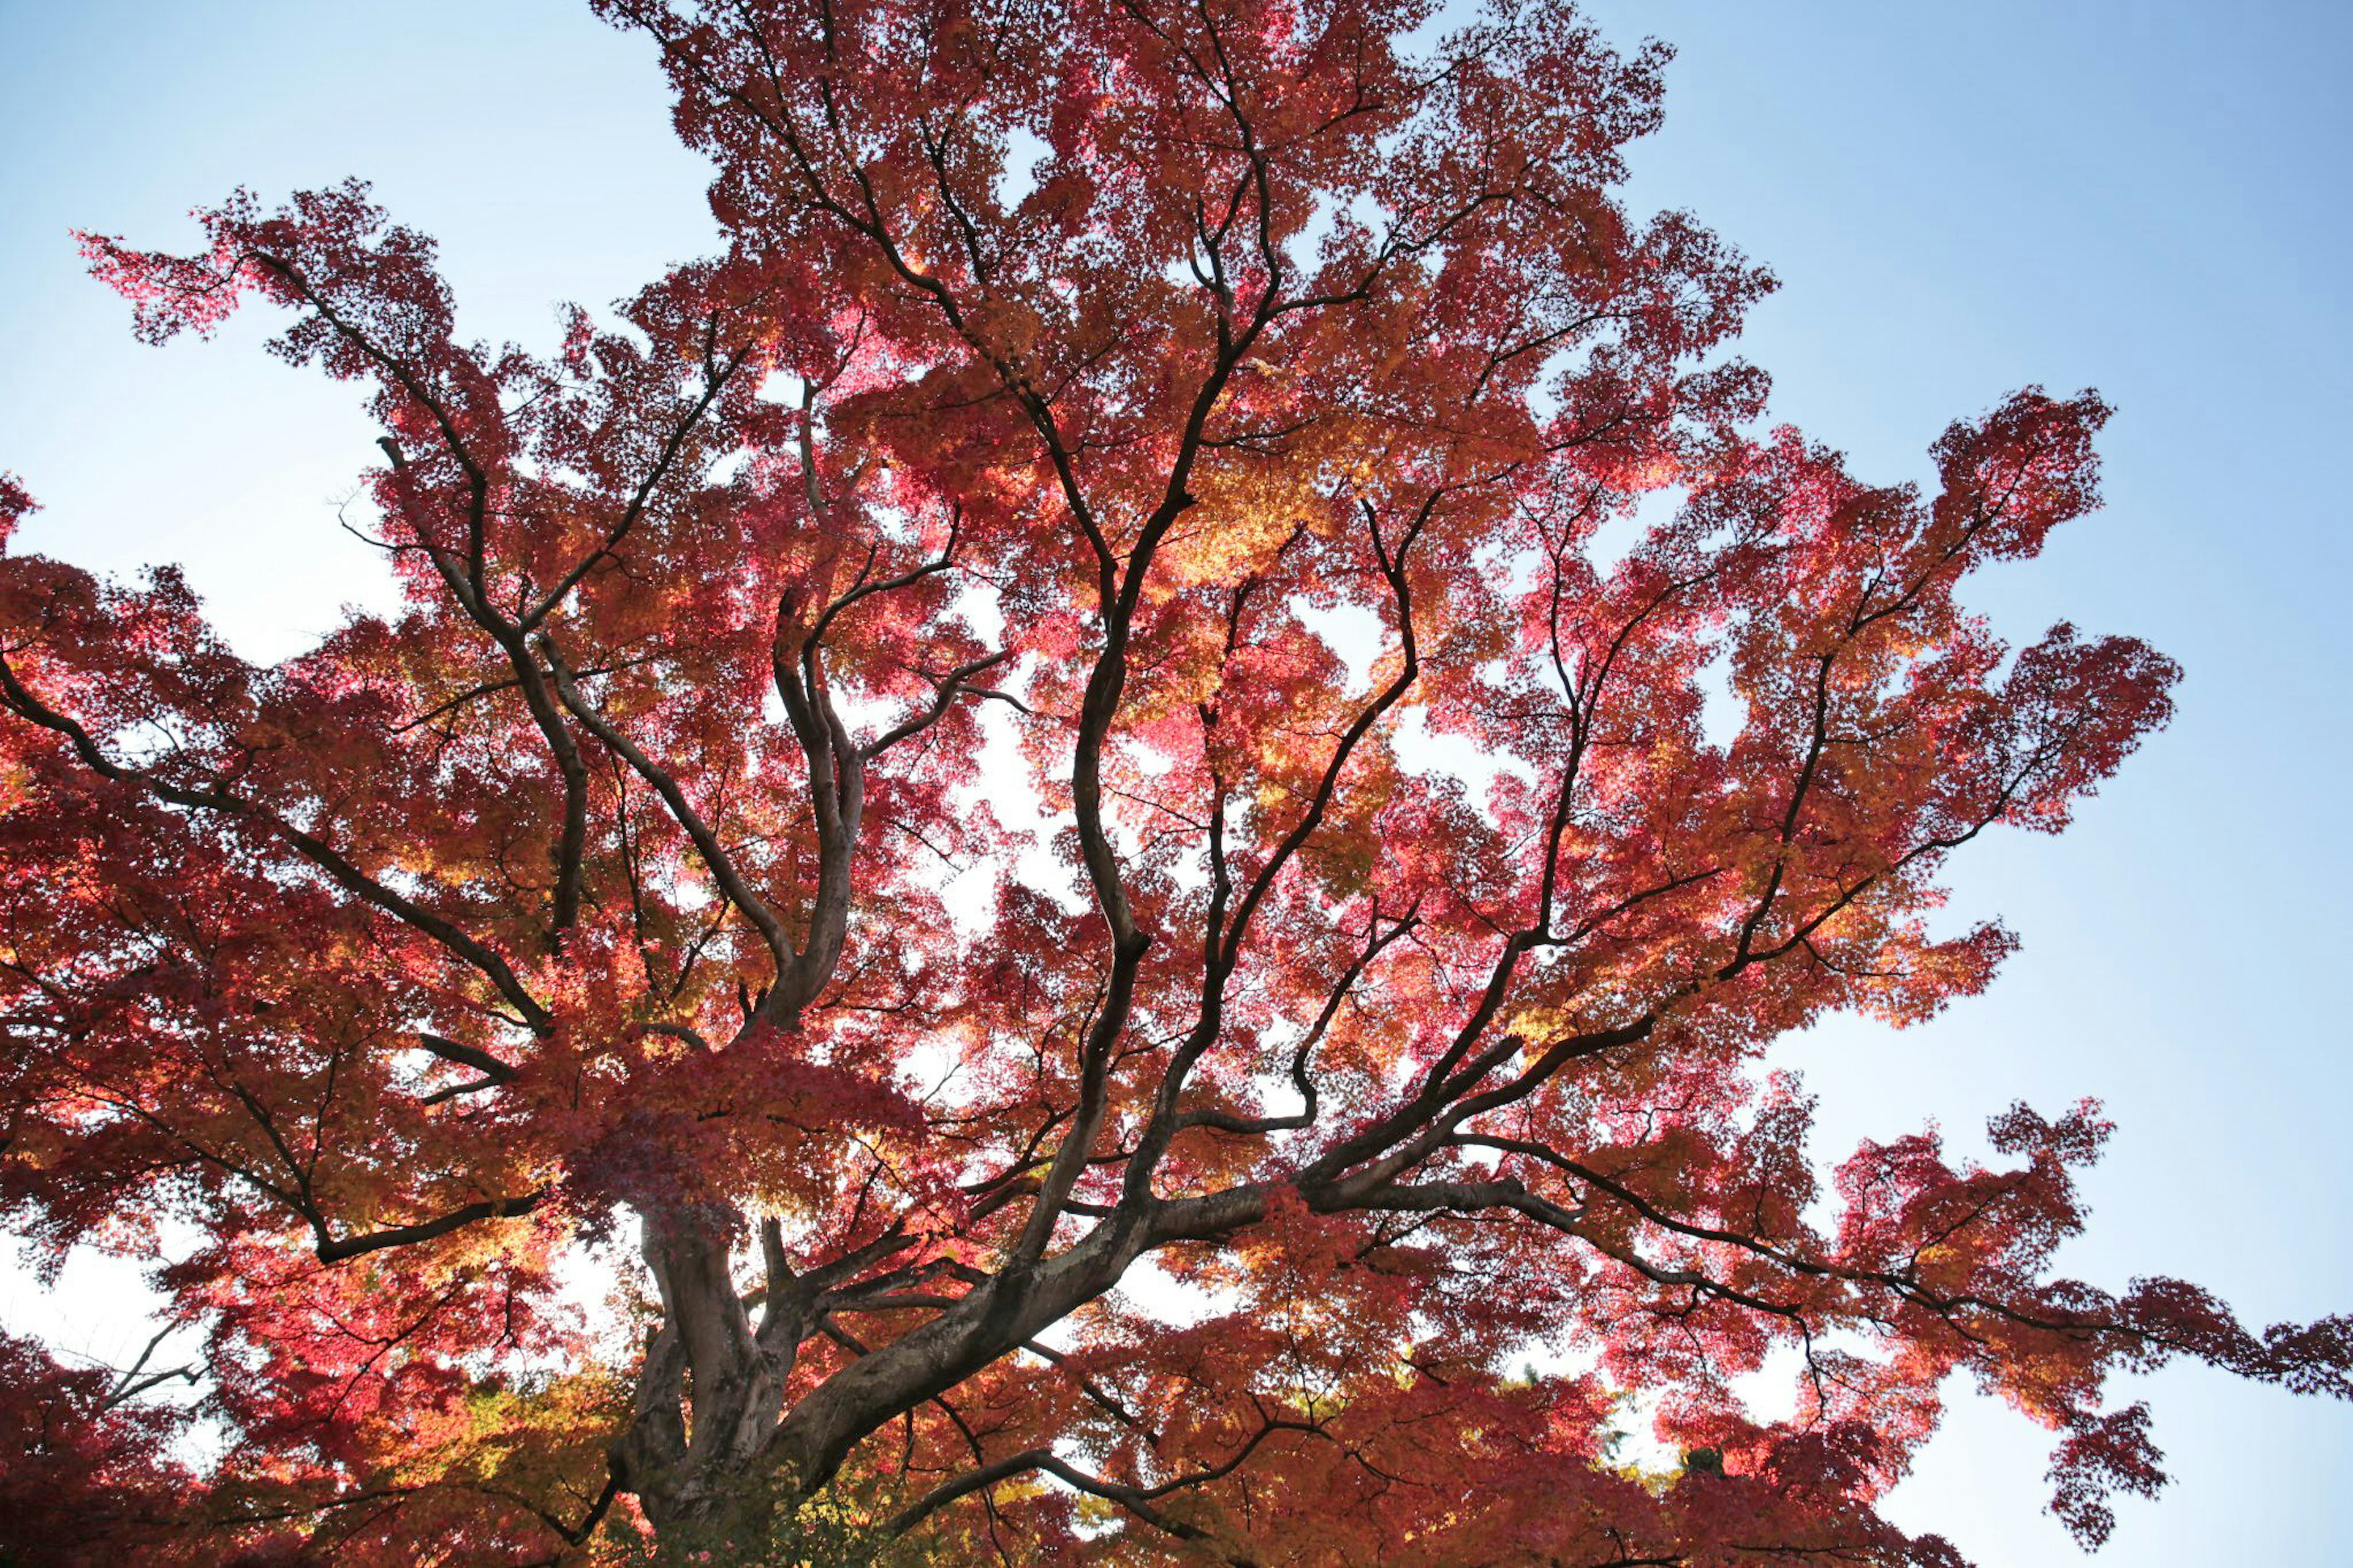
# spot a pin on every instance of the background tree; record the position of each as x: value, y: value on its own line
x: 1231, y: 396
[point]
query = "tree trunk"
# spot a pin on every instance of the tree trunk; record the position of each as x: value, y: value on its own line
x: 721, y: 1475
x: 693, y: 1478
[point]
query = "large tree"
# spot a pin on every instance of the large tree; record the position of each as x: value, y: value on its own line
x: 622, y: 1073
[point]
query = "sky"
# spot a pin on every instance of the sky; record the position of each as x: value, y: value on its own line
x: 2143, y: 195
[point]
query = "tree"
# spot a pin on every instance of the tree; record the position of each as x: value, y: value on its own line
x: 1223, y: 408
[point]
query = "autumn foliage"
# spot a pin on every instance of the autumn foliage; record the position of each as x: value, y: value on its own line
x: 1088, y: 855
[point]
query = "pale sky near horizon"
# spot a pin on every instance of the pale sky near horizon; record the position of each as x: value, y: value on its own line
x: 2146, y: 195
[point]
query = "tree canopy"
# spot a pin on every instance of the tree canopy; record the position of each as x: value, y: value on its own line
x: 1088, y: 855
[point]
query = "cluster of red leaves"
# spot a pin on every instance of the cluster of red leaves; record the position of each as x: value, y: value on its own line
x: 84, y: 1476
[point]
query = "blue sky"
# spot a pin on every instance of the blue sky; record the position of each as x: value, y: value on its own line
x: 2146, y: 197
